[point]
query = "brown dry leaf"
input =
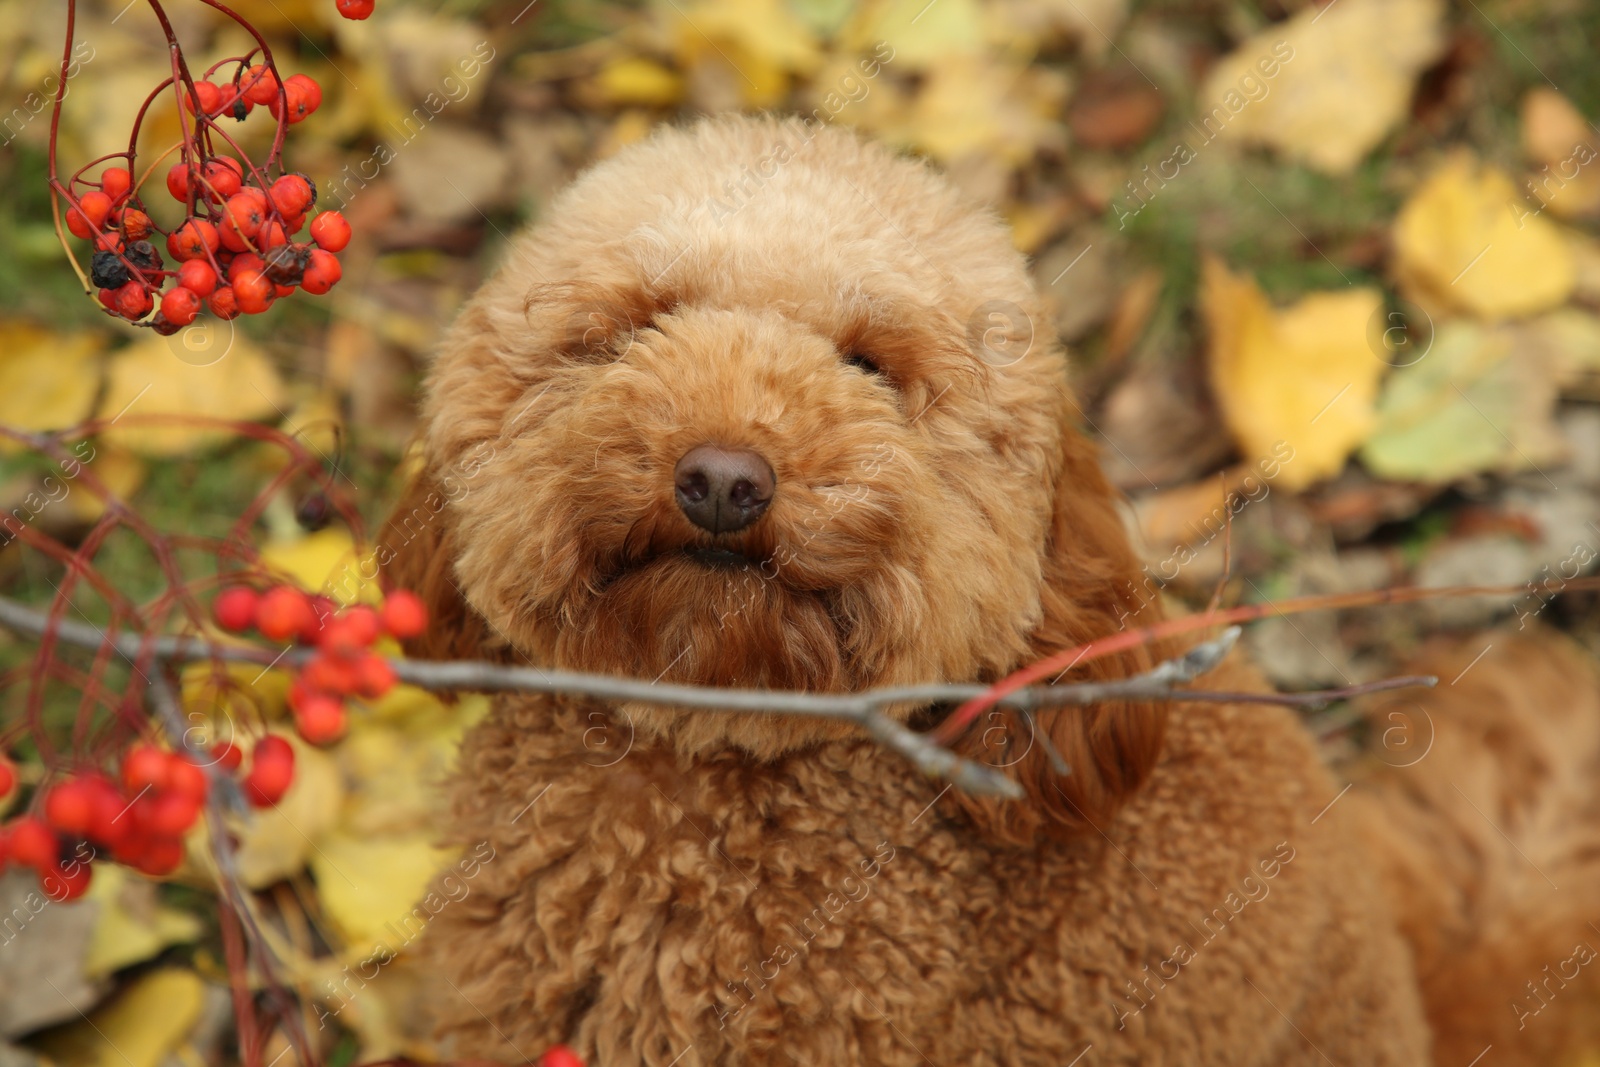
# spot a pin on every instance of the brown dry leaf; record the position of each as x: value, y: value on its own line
x: 1557, y: 137
x: 1300, y: 378
x: 1327, y: 85
x: 1461, y: 246
x: 146, y: 379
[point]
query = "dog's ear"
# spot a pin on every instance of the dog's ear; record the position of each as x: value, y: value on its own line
x: 416, y: 551
x: 1090, y: 591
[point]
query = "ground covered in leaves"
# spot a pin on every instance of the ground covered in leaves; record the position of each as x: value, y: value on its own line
x: 1330, y: 277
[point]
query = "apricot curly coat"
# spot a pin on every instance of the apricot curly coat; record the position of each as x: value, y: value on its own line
x: 698, y: 887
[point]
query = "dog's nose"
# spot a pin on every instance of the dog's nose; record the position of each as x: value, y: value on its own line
x: 723, y: 489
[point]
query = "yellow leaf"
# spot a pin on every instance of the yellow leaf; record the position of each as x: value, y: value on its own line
x: 326, y: 561
x: 140, y: 1028
x: 975, y: 107
x: 120, y: 472
x: 148, y: 379
x: 1480, y: 400
x: 276, y: 842
x: 762, y: 39
x: 132, y: 925
x: 1461, y: 244
x: 1327, y: 85
x: 923, y: 35
x: 1300, y: 378
x: 371, y: 886
x: 631, y: 80
x: 47, y: 380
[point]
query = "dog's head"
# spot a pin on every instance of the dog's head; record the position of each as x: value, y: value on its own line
x: 761, y: 405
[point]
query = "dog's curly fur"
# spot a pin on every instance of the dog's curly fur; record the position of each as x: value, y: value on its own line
x: 700, y: 887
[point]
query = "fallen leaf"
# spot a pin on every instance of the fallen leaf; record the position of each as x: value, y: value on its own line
x: 635, y: 80
x: 370, y: 886
x: 1461, y: 245
x: 922, y: 35
x: 1114, y: 109
x: 147, y: 380
x: 48, y: 381
x: 274, y: 843
x: 1300, y: 378
x: 1557, y: 137
x: 139, y: 1028
x: 1327, y: 85
x: 762, y: 40
x: 132, y: 924
x: 325, y: 561
x: 1477, y: 402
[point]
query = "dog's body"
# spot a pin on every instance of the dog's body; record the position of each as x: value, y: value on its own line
x: 699, y: 887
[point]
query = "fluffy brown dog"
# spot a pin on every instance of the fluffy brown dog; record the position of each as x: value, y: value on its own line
x: 762, y: 405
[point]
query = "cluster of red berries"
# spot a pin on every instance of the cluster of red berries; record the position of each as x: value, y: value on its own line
x: 138, y: 819
x: 344, y: 664
x: 237, y: 248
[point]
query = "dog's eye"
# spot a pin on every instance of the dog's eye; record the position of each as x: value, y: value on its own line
x: 865, y: 364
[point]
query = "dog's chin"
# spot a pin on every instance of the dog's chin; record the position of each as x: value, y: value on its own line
x: 706, y: 616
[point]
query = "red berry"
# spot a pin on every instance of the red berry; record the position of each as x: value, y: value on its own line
x: 186, y: 778
x: 283, y: 611
x: 232, y: 104
x: 351, y: 630
x: 259, y: 85
x: 355, y: 9
x: 97, y: 206
x: 132, y: 301
x: 109, y: 825
x: 235, y: 608
x: 242, y: 262
x: 271, y: 235
x: 253, y: 292
x: 321, y: 719
x: 33, y: 844
x: 403, y: 614
x: 197, y: 276
x: 328, y: 674
x: 178, y: 180
x: 193, y: 240
x: 62, y: 882
x: 8, y: 777
x: 559, y: 1056
x: 171, y: 814
x: 304, y: 95
x: 157, y: 856
x: 222, y: 303
x: 271, y: 771
x: 145, y: 767
x: 292, y: 194
x: 322, y: 271
x: 227, y: 755
x: 181, y: 306
x: 204, y: 99
x: 94, y: 207
x: 224, y: 176
x: 323, y: 610
x: 374, y: 676
x: 69, y: 806
x: 116, y: 182
x: 330, y: 231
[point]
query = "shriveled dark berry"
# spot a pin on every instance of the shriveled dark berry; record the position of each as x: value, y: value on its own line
x: 285, y: 264
x: 314, y: 511
x: 106, y: 271
x: 164, y: 326
x: 142, y: 254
